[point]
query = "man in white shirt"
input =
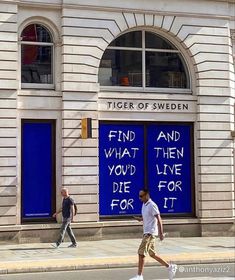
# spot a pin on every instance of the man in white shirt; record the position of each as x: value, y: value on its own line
x: 152, y: 225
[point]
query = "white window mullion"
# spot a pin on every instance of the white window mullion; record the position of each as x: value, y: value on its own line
x: 36, y: 43
x: 53, y: 66
x: 162, y: 50
x: 124, y: 48
x: 143, y: 61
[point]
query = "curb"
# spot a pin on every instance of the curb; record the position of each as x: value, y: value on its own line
x: 89, y: 264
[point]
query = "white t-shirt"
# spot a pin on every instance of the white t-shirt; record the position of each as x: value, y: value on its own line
x: 149, y: 211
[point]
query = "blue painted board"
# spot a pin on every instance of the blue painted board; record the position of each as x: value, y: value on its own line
x: 163, y: 159
x: 169, y: 167
x: 121, y: 168
x: 37, y: 169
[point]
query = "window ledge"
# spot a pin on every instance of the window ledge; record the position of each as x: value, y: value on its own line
x: 136, y: 95
x: 39, y: 92
x: 37, y: 86
x: 146, y: 90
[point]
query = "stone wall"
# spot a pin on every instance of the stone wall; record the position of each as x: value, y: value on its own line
x: 82, y: 30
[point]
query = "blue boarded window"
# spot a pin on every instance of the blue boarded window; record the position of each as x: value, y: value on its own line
x: 152, y: 155
x: 121, y: 154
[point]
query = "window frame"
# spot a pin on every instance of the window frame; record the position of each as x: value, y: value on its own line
x: 143, y: 49
x: 52, y: 45
x: 233, y: 45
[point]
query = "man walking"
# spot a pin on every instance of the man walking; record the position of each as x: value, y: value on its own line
x: 67, y: 217
x: 152, y: 225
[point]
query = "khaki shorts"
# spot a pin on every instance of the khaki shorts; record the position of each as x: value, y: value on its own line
x: 147, y: 245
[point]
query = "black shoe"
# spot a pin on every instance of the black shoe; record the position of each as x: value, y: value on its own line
x: 55, y: 245
x: 72, y: 245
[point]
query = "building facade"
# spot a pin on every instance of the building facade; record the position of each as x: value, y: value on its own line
x: 156, y: 78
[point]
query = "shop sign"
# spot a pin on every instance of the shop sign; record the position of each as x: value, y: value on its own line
x: 147, y: 106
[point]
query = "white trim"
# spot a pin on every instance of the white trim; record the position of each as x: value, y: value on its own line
x: 139, y: 49
x: 145, y: 90
x: 53, y: 66
x: 124, y: 48
x: 161, y: 50
x: 143, y: 61
x: 147, y: 96
x: 36, y: 43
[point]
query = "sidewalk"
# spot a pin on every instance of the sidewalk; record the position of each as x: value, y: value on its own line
x: 112, y: 253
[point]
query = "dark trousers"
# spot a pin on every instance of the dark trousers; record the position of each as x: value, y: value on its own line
x: 66, y: 227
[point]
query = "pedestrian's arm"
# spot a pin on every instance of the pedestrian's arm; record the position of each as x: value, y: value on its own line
x: 160, y: 227
x: 58, y: 212
x: 72, y: 211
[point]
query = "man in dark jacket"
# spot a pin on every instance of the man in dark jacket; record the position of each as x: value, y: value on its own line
x: 67, y: 210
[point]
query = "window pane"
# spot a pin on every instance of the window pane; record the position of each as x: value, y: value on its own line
x: 132, y: 39
x: 36, y: 64
x: 36, y: 33
x: 165, y: 70
x: 152, y: 41
x: 121, y: 68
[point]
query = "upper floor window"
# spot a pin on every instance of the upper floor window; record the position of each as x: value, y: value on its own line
x: 36, y: 57
x: 143, y: 59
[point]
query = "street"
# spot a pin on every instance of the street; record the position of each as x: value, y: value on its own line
x: 221, y: 271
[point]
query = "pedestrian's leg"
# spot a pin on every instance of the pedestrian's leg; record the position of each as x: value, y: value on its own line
x: 71, y: 235
x: 142, y: 252
x: 152, y: 252
x: 171, y: 267
x: 141, y: 264
x: 62, y: 232
x: 159, y: 259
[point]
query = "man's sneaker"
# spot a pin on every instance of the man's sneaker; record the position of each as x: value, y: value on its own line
x: 55, y: 245
x: 172, y: 271
x: 137, y: 277
x: 72, y: 246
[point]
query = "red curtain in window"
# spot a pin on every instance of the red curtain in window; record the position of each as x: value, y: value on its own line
x: 29, y: 53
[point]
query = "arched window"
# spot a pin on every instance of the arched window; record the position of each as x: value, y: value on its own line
x: 143, y: 59
x: 36, y: 57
